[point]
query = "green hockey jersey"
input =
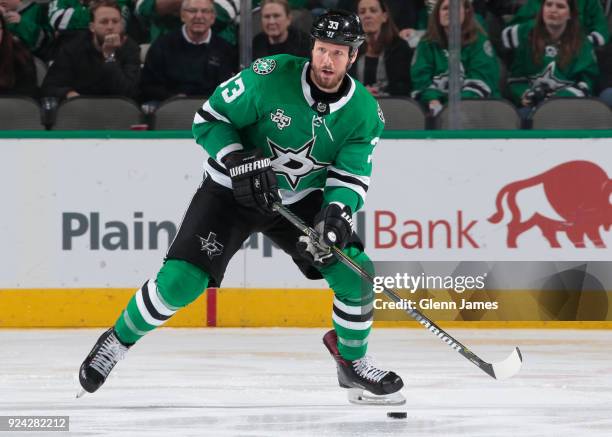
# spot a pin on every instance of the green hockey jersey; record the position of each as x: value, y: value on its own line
x: 574, y: 80
x: 312, y: 145
x: 225, y: 26
x: 479, y: 71
x: 591, y: 14
x: 32, y: 29
x: 72, y: 14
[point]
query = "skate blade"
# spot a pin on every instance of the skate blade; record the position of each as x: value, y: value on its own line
x: 81, y: 393
x: 362, y: 397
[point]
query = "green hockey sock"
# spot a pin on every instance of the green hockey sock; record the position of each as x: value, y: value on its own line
x: 178, y: 283
x: 352, y: 312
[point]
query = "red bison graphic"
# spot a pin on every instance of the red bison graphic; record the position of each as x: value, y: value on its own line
x: 579, y: 191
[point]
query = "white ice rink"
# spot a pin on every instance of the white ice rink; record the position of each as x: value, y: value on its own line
x: 281, y: 382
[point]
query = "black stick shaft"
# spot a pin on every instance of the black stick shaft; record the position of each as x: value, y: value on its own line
x: 414, y: 313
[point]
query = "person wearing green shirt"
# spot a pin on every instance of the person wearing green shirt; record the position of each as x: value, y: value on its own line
x: 67, y: 15
x: 590, y: 13
x: 163, y: 16
x: 550, y: 57
x: 27, y: 21
x: 479, y: 65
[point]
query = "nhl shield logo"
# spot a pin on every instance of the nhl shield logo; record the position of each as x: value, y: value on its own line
x: 264, y: 66
x: 282, y: 121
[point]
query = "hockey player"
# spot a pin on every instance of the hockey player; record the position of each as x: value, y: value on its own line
x: 288, y: 128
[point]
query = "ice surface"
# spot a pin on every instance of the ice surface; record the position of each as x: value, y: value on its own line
x: 281, y: 382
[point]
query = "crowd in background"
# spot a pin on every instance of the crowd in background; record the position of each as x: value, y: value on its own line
x: 151, y: 50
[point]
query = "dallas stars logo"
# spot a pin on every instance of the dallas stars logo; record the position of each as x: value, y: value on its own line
x: 295, y: 164
x: 210, y: 245
x: 264, y: 66
x: 441, y: 81
x: 548, y: 78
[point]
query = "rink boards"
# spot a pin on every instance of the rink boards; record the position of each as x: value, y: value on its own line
x: 87, y: 220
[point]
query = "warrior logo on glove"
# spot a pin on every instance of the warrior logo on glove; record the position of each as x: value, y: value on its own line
x: 253, y: 180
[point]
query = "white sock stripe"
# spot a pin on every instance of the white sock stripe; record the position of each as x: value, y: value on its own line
x: 355, y: 326
x: 155, y: 300
x: 130, y: 324
x: 142, y: 308
x: 353, y: 343
x: 354, y: 310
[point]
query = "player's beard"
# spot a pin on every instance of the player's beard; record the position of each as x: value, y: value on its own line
x: 327, y: 83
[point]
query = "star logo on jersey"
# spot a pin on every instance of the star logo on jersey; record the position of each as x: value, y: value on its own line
x: 295, y: 164
x: 210, y: 245
x: 264, y: 66
x: 441, y: 81
x: 282, y: 121
x: 548, y: 78
x: 551, y: 51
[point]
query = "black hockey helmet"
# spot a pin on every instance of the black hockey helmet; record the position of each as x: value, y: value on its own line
x: 338, y: 27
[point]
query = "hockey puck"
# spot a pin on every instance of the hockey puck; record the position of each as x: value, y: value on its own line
x: 397, y: 414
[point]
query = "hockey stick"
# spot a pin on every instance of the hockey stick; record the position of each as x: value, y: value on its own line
x: 500, y: 370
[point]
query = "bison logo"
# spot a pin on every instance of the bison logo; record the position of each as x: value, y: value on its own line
x: 579, y: 191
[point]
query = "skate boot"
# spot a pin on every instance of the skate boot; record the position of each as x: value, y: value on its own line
x: 107, y: 351
x: 367, y: 384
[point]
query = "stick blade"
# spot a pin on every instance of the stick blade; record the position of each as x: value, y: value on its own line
x: 510, y: 366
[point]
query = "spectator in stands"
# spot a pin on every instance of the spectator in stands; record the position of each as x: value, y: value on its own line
x: 383, y: 63
x: 17, y: 71
x: 479, y: 64
x: 550, y: 57
x: 103, y: 62
x: 605, y: 65
x: 419, y: 12
x: 190, y: 61
x: 163, y: 16
x: 27, y: 21
x: 70, y: 18
x: 590, y: 12
x: 278, y: 36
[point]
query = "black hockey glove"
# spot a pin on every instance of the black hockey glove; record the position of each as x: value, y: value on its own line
x: 253, y: 180
x: 337, y: 224
x: 334, y: 225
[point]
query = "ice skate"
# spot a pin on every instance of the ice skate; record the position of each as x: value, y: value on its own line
x: 107, y: 351
x: 367, y: 384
